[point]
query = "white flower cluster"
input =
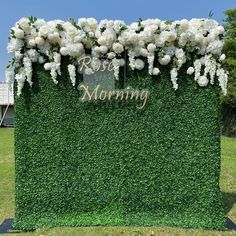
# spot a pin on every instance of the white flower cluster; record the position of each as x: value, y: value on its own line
x: 155, y: 42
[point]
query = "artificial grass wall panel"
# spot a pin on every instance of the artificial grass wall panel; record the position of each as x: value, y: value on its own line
x: 109, y: 163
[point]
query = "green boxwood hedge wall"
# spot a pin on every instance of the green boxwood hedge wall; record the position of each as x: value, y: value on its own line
x: 108, y: 163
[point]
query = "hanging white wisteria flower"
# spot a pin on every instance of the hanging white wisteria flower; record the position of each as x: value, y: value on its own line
x: 153, y: 42
x: 173, y: 76
x: 72, y: 73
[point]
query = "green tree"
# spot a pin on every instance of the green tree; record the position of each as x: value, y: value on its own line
x: 229, y: 101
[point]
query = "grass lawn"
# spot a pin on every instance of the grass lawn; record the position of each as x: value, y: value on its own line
x: 228, y: 187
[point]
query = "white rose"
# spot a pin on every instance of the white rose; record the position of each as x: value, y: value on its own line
x: 139, y: 64
x: 118, y: 48
x: 203, y: 81
x: 155, y: 71
x: 44, y: 30
x: 190, y: 71
x: 19, y: 33
x: 151, y: 47
x: 222, y: 57
x: 165, y: 60
x: 39, y: 41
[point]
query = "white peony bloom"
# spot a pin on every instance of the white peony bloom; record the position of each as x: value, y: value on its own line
x: 190, y: 71
x: 203, y: 81
x: 139, y: 64
x: 164, y: 60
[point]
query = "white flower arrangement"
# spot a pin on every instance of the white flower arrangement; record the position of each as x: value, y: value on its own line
x: 170, y: 43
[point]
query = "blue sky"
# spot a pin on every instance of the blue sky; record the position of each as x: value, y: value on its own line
x: 129, y: 11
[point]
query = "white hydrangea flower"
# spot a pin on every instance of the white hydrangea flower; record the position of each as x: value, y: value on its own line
x: 20, y: 79
x: 28, y: 71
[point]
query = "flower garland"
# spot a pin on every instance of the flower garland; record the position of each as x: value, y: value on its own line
x: 197, y: 41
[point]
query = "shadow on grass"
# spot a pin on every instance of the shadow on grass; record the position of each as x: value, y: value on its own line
x: 229, y: 201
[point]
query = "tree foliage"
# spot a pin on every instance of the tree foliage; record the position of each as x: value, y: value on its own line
x: 230, y: 51
x: 229, y: 101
